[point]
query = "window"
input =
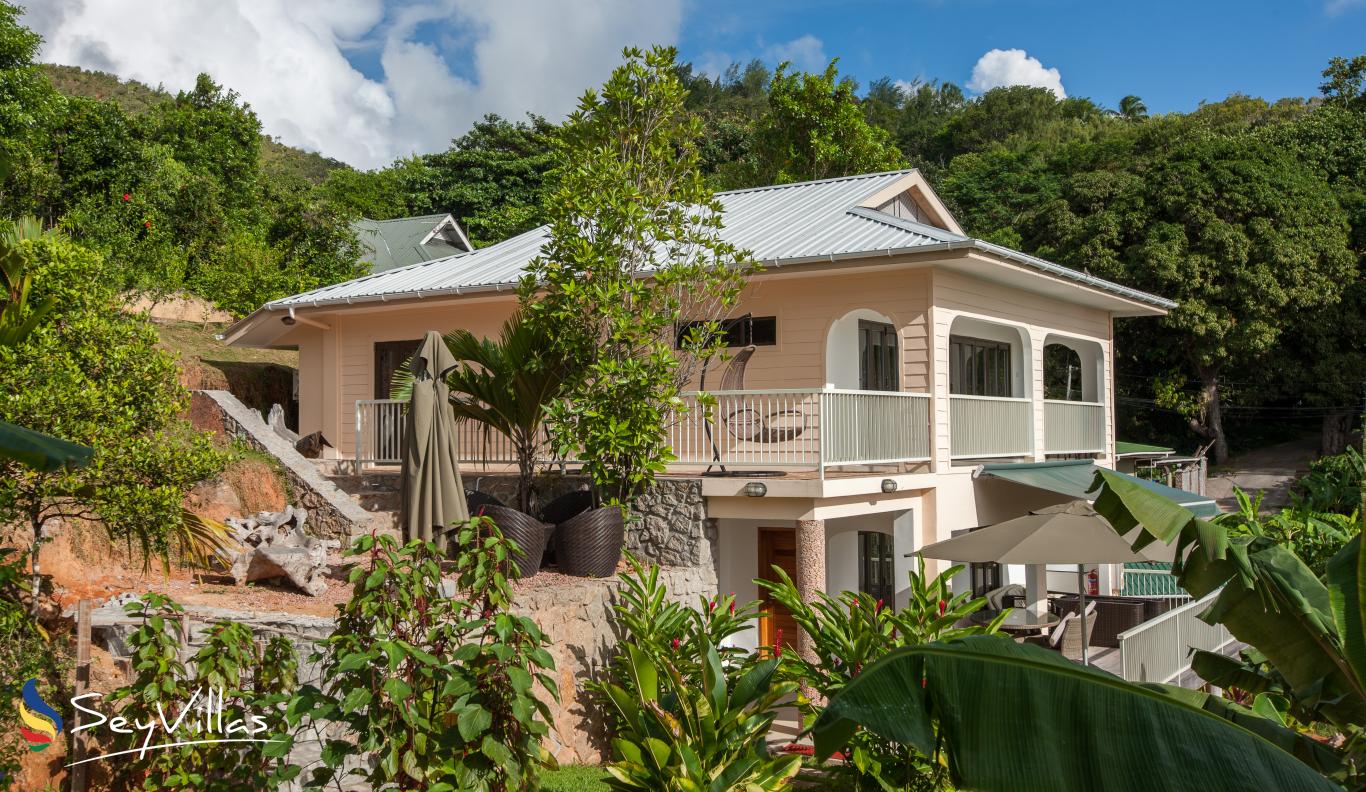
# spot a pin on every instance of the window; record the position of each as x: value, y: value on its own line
x: 985, y: 578
x: 877, y: 366
x: 739, y: 332
x: 391, y: 356
x: 978, y: 367
x: 875, y: 565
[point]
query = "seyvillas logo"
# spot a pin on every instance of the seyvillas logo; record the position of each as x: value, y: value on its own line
x: 41, y: 723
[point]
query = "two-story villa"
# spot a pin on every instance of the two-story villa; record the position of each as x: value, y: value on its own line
x: 907, y: 380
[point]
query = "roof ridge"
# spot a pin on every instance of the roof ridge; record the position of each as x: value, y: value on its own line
x: 412, y: 217
x: 853, y: 177
x: 906, y: 224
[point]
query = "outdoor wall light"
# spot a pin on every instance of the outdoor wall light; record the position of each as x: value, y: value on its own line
x: 889, y: 485
x: 756, y: 489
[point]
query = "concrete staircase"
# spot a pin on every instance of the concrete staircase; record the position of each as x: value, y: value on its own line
x: 377, y: 492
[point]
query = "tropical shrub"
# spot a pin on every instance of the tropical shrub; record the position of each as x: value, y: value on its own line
x: 425, y: 690
x: 1307, y: 631
x: 230, y: 675
x: 1314, y: 536
x: 668, y: 630
x: 90, y: 374
x: 634, y: 250
x: 851, y: 631
x: 677, y: 735
x: 1333, y: 484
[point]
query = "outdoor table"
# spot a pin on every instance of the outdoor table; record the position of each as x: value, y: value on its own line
x: 1019, y: 620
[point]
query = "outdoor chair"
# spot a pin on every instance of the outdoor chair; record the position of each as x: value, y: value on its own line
x: 1114, y: 615
x: 1005, y: 596
x: 747, y: 424
x: 1067, y: 636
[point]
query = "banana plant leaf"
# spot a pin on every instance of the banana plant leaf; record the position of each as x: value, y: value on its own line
x: 1021, y: 718
x: 1270, y: 598
x: 39, y: 451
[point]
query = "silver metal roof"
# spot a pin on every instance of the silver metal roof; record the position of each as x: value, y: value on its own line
x: 780, y: 224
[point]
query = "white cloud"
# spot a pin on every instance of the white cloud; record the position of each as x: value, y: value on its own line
x: 286, y: 57
x: 1335, y: 7
x: 806, y: 53
x: 1000, y: 68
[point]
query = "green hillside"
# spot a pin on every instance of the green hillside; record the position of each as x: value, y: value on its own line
x: 277, y: 159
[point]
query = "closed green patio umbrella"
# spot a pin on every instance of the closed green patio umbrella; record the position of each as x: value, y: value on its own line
x: 1069, y: 533
x: 433, y: 497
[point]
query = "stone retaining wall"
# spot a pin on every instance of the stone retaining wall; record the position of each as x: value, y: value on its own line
x: 331, y: 512
x: 575, y: 614
x: 669, y: 526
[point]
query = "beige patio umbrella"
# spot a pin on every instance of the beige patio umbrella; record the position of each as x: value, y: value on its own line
x: 1069, y: 533
x: 433, y: 497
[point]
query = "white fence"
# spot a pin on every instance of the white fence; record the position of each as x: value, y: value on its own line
x: 806, y: 428
x: 1159, y: 650
x: 990, y: 426
x: 1073, y: 427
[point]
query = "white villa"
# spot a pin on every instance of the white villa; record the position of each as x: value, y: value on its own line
x: 894, y: 372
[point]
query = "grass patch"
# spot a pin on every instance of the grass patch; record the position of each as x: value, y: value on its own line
x: 196, y: 340
x: 575, y: 778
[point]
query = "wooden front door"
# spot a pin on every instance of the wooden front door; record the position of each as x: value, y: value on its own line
x: 777, y: 547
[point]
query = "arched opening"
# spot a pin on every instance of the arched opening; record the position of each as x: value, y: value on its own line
x: 987, y: 359
x: 1072, y: 369
x: 863, y: 352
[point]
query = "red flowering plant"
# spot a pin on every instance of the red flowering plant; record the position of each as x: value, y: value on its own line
x: 848, y: 632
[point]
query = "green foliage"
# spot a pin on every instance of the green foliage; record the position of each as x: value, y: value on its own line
x: 815, y: 129
x: 93, y: 375
x: 634, y: 249
x: 1313, y: 535
x: 991, y: 707
x: 1343, y: 82
x: 668, y: 631
x: 27, y: 651
x: 1333, y: 484
x: 851, y: 631
x: 437, y: 689
x: 676, y: 734
x: 1307, y: 631
x: 254, y: 684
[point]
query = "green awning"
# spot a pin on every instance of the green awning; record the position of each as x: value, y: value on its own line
x: 1075, y: 477
x: 1123, y: 448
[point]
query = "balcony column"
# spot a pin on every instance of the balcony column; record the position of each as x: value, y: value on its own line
x: 810, y: 573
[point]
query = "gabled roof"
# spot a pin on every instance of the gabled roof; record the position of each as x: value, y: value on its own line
x: 815, y: 222
x: 403, y: 241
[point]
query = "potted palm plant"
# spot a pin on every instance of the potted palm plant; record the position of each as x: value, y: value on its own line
x: 504, y: 386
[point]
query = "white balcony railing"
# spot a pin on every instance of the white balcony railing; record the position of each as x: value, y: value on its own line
x: 990, y: 426
x: 1073, y: 427
x: 1159, y: 650
x: 807, y: 428
x: 812, y: 428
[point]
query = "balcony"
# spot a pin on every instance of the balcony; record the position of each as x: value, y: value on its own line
x: 1073, y: 427
x: 804, y: 429
x: 983, y: 427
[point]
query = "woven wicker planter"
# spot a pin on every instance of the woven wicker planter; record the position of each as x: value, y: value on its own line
x: 529, y: 533
x: 589, y: 544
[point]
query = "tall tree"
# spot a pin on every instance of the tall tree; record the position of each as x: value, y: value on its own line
x: 634, y: 249
x: 1132, y: 108
x: 815, y: 129
x: 1343, y: 80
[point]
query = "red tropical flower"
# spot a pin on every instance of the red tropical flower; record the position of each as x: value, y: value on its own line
x: 778, y: 644
x: 674, y: 643
x: 127, y: 197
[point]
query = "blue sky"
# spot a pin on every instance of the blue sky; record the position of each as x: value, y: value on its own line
x: 1172, y: 54
x: 366, y: 81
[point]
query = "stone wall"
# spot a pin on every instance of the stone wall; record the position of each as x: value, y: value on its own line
x: 575, y: 613
x: 669, y: 525
x: 331, y: 512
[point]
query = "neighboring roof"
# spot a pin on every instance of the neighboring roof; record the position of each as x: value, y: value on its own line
x: 403, y: 241
x: 1124, y: 448
x: 1076, y: 478
x: 815, y: 222
x: 1151, y: 579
